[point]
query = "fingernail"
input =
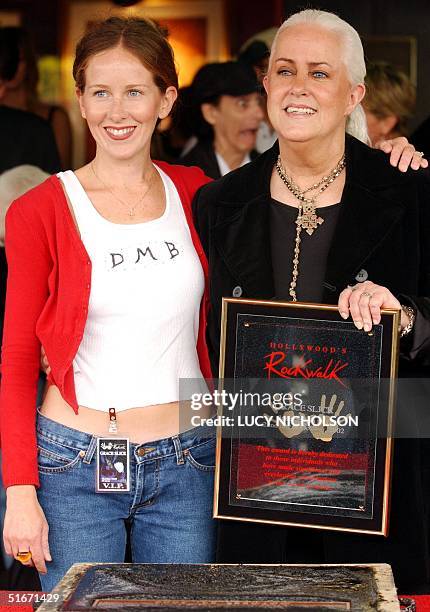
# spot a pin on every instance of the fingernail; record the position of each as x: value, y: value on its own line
x: 358, y: 324
x: 344, y: 315
x: 367, y: 327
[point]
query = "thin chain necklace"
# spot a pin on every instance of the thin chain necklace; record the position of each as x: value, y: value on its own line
x: 307, y: 217
x: 130, y: 211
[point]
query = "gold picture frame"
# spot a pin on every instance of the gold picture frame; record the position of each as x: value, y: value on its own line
x: 319, y: 476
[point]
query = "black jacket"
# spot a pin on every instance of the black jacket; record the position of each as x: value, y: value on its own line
x: 383, y: 229
x: 203, y: 156
x: 27, y: 139
x: 421, y: 137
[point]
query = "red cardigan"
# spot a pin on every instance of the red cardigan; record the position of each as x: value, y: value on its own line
x: 49, y: 282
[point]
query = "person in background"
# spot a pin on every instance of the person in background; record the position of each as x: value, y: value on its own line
x: 182, y: 133
x: 420, y: 138
x: 389, y: 102
x: 228, y: 114
x: 26, y: 138
x: 174, y: 136
x: 256, y: 55
x: 368, y: 249
x: 21, y: 91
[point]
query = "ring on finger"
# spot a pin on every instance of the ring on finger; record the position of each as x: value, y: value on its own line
x: 367, y: 294
x: 23, y: 557
x: 420, y: 153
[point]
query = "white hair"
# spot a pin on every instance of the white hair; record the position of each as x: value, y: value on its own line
x: 15, y: 182
x: 353, y: 57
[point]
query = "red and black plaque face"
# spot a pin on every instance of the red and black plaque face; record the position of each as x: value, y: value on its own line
x: 310, y: 397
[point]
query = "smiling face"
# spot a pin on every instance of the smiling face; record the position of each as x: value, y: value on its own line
x: 121, y: 103
x: 309, y: 95
x: 235, y: 121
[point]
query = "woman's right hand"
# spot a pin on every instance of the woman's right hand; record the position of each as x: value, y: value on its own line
x: 44, y: 363
x: 25, y: 526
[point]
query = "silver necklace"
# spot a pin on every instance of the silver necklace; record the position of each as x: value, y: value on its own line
x: 131, y: 211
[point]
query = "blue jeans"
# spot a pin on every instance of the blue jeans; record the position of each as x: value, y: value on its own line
x: 168, y: 509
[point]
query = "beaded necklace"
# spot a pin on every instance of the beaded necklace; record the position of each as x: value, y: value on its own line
x: 307, y: 217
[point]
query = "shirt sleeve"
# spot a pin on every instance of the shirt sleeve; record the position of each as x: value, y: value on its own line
x: 27, y: 292
x: 416, y: 345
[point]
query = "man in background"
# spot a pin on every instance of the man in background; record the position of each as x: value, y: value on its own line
x: 26, y: 138
x: 228, y: 113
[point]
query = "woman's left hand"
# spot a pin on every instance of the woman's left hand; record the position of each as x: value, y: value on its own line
x: 364, y: 302
x: 402, y: 153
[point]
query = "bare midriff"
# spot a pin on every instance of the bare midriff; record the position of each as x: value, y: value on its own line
x: 139, y: 424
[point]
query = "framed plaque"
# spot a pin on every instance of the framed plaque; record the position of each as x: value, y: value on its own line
x: 306, y: 408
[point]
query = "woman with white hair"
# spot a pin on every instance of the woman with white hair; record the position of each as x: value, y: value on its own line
x: 323, y: 218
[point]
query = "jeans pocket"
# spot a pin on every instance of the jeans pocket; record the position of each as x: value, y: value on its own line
x: 54, y: 457
x: 202, y: 456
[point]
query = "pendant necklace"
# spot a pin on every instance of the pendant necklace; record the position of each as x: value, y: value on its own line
x: 131, y: 211
x: 307, y: 217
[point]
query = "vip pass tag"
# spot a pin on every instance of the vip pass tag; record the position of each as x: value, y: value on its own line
x: 113, y: 465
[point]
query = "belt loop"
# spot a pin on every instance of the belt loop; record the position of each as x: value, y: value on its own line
x: 178, y: 450
x: 90, y: 450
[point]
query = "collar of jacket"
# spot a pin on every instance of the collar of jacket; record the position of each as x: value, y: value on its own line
x: 371, y: 204
x: 203, y: 156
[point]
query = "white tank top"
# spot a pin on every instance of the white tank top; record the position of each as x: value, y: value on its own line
x: 143, y: 314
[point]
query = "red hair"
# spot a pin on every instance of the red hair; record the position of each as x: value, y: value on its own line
x: 141, y: 37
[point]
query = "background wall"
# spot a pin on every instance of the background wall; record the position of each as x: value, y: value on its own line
x: 246, y: 17
x: 42, y: 18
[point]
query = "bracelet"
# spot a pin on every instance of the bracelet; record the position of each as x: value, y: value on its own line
x: 410, y: 313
